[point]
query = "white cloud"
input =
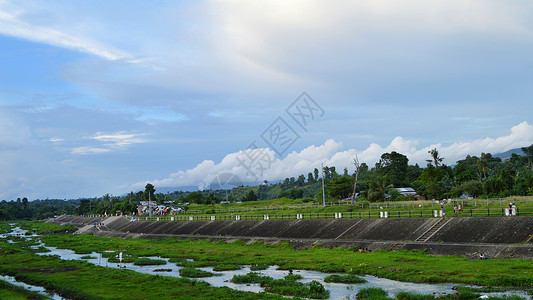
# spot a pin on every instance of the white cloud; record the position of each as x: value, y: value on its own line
x: 89, y: 150
x: 331, y: 154
x: 109, y: 142
x: 12, y: 23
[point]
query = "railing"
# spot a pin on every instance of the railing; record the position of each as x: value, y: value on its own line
x: 375, y: 205
x: 485, y: 212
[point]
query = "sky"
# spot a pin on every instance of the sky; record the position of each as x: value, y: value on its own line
x: 101, y: 97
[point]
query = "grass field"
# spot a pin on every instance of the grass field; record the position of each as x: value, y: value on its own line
x: 81, y: 280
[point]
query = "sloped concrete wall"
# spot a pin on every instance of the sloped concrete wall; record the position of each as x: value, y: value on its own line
x: 510, y: 230
x: 497, y: 230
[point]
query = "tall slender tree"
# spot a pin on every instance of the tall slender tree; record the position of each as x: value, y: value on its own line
x: 528, y: 151
x: 435, y: 157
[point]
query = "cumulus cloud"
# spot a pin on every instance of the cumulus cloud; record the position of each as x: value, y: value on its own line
x: 331, y: 153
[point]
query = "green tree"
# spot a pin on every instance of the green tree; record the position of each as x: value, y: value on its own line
x: 528, y: 151
x: 340, y: 187
x: 310, y: 178
x: 149, y: 192
x: 250, y: 196
x: 393, y: 166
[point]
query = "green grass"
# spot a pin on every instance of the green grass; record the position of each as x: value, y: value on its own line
x: 397, y: 265
x: 259, y: 267
x: 227, y: 267
x: 292, y: 207
x: 348, y: 278
x: 288, y: 286
x: 13, y: 292
x: 372, y: 294
x: 81, y: 280
x: 196, y: 273
x: 143, y: 261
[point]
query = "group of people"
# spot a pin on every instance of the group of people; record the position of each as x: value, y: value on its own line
x: 456, y: 209
x: 482, y: 256
x: 512, y: 209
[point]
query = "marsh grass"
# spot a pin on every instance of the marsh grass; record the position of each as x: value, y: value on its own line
x: 196, y: 273
x: 259, y: 267
x: 81, y: 280
x: 348, y: 278
x: 11, y: 291
x: 397, y: 265
x: 227, y: 267
x: 143, y: 261
x: 288, y: 286
x: 372, y: 294
x: 88, y: 257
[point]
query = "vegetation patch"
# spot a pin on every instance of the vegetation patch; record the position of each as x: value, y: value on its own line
x: 288, y: 286
x: 196, y: 273
x: 372, y: 294
x: 88, y: 257
x: 143, y: 261
x: 10, y: 291
x: 227, y: 267
x: 348, y: 278
x: 259, y: 267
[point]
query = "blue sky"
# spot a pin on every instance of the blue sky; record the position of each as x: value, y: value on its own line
x: 101, y: 97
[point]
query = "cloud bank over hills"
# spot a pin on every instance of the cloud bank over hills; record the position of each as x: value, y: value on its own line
x: 256, y: 165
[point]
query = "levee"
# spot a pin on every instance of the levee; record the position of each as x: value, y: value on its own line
x: 500, y: 237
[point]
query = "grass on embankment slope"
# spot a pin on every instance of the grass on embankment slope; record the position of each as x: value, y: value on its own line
x: 411, y: 266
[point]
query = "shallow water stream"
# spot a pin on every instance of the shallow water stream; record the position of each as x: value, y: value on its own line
x: 337, y: 290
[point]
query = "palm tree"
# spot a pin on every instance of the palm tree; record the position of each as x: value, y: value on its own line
x: 435, y: 157
x: 482, y: 164
x: 528, y: 151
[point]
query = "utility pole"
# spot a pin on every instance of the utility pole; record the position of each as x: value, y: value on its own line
x: 323, y: 189
x: 356, y: 164
x: 149, y: 204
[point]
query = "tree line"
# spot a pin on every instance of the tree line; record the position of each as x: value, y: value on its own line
x: 475, y: 176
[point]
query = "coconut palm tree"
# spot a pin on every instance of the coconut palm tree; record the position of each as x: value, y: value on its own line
x: 435, y: 157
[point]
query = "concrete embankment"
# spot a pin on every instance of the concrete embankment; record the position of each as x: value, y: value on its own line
x: 495, y: 237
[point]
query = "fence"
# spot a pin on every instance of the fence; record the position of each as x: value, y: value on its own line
x: 377, y: 205
x: 485, y: 212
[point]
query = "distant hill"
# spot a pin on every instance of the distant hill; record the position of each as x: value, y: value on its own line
x: 507, y: 154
